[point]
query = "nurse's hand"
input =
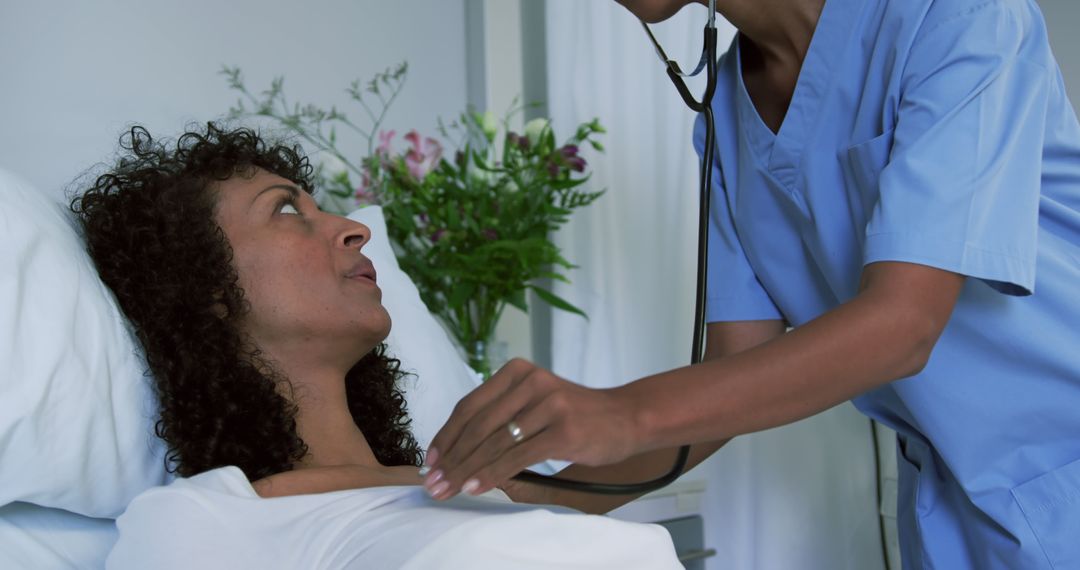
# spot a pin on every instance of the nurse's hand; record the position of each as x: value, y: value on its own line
x: 557, y: 420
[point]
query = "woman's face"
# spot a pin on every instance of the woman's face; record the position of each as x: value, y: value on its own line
x: 311, y: 291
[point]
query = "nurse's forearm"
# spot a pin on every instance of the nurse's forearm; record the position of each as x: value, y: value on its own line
x: 884, y: 334
x: 643, y: 467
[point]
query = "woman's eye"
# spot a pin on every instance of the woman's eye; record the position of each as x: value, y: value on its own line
x: 288, y: 208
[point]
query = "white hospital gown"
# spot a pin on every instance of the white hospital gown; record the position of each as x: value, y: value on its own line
x: 216, y: 520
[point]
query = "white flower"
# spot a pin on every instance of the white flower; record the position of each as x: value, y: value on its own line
x: 490, y: 125
x: 535, y: 128
x: 480, y: 176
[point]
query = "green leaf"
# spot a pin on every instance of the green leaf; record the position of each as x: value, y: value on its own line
x: 517, y: 299
x: 552, y: 275
x: 460, y: 293
x: 556, y: 301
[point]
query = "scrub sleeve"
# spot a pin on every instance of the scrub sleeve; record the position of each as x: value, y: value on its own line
x: 960, y: 191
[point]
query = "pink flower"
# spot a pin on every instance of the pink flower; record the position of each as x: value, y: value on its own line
x: 364, y: 193
x: 435, y: 237
x: 424, y: 155
x: 386, y: 138
x: 364, y: 196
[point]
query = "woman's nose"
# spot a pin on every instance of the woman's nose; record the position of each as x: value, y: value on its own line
x: 354, y: 235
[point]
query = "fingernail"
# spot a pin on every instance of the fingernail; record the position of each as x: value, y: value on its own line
x: 471, y: 487
x: 424, y: 470
x: 432, y: 456
x: 433, y: 478
x: 439, y: 489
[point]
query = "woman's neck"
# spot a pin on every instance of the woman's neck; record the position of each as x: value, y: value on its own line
x: 323, y: 419
x: 339, y: 457
x: 332, y: 436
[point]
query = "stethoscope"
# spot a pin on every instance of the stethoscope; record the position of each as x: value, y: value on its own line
x: 707, y: 62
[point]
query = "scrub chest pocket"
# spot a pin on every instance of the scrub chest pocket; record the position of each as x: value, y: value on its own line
x: 1050, y: 502
x: 862, y: 164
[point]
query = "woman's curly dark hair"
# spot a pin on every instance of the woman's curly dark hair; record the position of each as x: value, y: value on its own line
x: 150, y: 228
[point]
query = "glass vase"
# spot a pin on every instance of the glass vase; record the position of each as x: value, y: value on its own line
x: 486, y: 356
x: 477, y: 353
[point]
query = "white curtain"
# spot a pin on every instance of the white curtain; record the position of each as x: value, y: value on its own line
x: 801, y: 496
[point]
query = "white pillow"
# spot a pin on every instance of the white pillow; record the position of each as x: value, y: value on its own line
x: 76, y: 412
x: 39, y: 537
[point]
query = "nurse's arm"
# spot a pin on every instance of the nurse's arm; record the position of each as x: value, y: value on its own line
x: 722, y: 339
x: 885, y: 333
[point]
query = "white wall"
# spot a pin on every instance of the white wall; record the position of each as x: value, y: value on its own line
x: 504, y: 82
x: 75, y: 73
x: 1062, y: 20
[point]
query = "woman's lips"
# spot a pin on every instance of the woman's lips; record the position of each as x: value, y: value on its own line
x: 363, y: 271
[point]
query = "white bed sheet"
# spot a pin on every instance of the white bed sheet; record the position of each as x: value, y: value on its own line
x: 216, y: 520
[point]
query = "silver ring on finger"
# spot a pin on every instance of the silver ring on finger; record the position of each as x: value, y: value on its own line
x: 515, y: 431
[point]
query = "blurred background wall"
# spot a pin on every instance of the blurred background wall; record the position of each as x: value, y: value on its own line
x: 75, y: 74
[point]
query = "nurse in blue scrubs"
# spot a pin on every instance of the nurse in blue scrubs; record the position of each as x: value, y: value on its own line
x: 899, y: 183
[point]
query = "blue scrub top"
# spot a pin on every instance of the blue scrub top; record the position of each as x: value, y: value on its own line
x: 935, y: 132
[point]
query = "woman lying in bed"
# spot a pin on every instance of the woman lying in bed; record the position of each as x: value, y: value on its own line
x: 262, y: 325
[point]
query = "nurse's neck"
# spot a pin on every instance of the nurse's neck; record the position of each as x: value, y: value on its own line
x: 777, y: 31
